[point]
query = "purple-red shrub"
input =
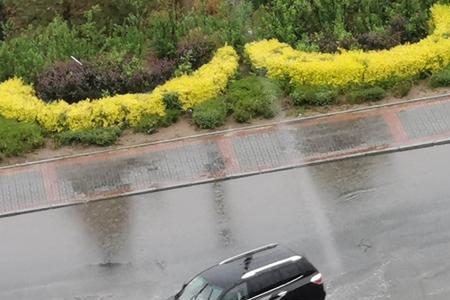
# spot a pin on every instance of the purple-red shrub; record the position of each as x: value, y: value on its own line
x: 73, y: 82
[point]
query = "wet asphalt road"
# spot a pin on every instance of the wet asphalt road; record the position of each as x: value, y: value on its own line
x: 377, y: 228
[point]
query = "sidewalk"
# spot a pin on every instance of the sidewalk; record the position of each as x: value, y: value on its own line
x: 224, y: 155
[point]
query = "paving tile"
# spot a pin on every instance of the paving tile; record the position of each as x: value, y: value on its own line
x: 142, y: 171
x: 425, y: 121
x: 21, y: 190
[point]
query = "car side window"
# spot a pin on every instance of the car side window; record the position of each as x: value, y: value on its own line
x: 272, y: 279
x: 239, y: 292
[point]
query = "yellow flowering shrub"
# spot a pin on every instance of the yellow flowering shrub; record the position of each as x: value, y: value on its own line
x: 205, y: 83
x: 18, y: 100
x: 357, y: 67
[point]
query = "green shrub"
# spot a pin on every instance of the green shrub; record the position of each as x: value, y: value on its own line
x: 148, y: 124
x: 98, y: 136
x: 246, y: 109
x: 210, y: 114
x: 313, y: 95
x: 171, y: 117
x: 171, y: 101
x: 252, y: 97
x: 17, y: 138
x: 441, y: 79
x: 363, y: 94
x: 401, y: 88
x: 151, y: 123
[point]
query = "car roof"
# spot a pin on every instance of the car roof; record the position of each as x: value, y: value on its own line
x: 229, y: 273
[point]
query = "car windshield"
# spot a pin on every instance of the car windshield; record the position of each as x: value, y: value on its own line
x: 200, y: 289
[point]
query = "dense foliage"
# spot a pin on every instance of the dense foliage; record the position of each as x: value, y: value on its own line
x: 19, y: 101
x: 128, y: 33
x: 73, y: 82
x: 326, y: 25
x: 134, y: 34
x: 355, y: 67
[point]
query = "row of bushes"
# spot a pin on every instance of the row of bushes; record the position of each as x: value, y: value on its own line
x: 255, y: 97
x: 356, y: 67
x: 18, y: 100
x: 246, y: 98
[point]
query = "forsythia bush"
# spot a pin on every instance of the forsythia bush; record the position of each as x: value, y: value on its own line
x: 205, y: 83
x: 356, y: 67
x: 18, y: 101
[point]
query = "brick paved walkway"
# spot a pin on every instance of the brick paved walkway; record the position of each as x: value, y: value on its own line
x: 194, y: 160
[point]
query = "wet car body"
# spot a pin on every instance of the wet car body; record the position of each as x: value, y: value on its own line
x: 271, y: 272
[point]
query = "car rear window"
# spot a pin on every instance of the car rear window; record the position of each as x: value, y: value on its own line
x: 273, y: 278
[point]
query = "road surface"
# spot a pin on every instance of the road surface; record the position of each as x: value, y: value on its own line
x: 377, y: 227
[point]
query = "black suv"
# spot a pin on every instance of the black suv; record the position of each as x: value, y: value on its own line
x: 271, y: 272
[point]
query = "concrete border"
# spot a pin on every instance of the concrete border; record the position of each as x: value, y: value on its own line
x: 219, y: 132
x: 387, y: 150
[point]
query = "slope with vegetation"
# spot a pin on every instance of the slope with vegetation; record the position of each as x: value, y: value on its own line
x: 144, y: 64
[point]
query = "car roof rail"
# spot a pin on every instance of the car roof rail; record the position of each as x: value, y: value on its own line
x: 270, y: 266
x: 256, y: 250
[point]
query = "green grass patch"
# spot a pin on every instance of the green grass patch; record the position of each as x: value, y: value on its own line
x: 18, y: 138
x: 98, y: 136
